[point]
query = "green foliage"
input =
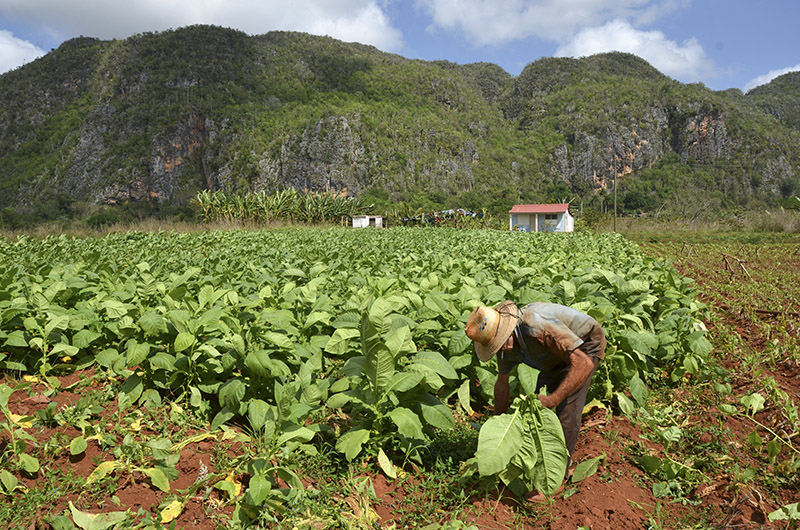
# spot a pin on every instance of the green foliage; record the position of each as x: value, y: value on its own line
x: 278, y: 328
x: 208, y: 108
x: 779, y: 98
x: 396, y: 406
x: 283, y: 205
x: 524, y: 448
x: 15, y: 451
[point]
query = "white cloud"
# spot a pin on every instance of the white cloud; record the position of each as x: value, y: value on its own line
x: 15, y: 52
x: 367, y: 25
x: 496, y: 22
x: 769, y: 76
x: 687, y: 61
x: 349, y: 20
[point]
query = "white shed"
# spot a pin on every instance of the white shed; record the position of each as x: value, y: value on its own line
x: 541, y: 218
x: 364, y: 221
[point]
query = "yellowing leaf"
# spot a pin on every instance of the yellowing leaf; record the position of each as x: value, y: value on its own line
x: 96, y: 521
x: 136, y: 426
x: 192, y: 439
x: 158, y: 478
x: 102, y: 470
x: 236, y: 484
x: 31, y: 378
x: 66, y: 359
x: 230, y: 434
x: 386, y: 465
x: 595, y: 403
x: 26, y: 424
x: 172, y: 511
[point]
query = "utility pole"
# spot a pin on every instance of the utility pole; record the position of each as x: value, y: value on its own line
x: 615, y: 193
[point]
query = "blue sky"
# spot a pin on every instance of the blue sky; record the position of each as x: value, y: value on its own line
x: 720, y: 43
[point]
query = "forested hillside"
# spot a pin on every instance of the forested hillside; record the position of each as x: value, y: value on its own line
x: 155, y: 118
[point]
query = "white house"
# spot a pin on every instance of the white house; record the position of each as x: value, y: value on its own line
x: 364, y: 221
x: 541, y: 218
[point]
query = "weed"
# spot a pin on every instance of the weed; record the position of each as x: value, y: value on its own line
x: 41, y: 499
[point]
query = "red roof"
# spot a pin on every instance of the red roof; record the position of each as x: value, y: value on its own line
x: 539, y: 208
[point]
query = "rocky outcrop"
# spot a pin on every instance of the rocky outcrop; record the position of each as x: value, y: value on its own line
x: 159, y: 117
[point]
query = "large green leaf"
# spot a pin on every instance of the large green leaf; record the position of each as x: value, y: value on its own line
x: 292, y: 433
x: 458, y: 343
x: 436, y: 413
x: 437, y: 363
x: 399, y: 342
x: 258, y: 489
x: 402, y: 382
x: 84, y: 338
x: 152, y: 323
x: 114, y: 309
x: 407, y: 422
x: 132, y: 388
x: 378, y: 359
x: 340, y: 340
x: 638, y: 390
x: 77, y: 445
x: 183, y: 341
x: 8, y: 481
x: 258, y: 363
x: 790, y: 512
x: 232, y: 393
x: 586, y: 469
x: 499, y: 439
x: 527, y: 376
x: 549, y: 440
x: 16, y: 339
x: 257, y: 411
x: 464, y: 397
x: 278, y: 339
x: 431, y: 377
x: 137, y: 353
x: 96, y: 521
x: 29, y: 464
x: 350, y: 443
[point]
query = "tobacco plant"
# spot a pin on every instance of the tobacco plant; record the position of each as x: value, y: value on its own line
x: 524, y: 448
x: 15, y: 451
x: 366, y: 322
x: 390, y: 387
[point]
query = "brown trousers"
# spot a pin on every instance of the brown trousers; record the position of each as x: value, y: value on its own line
x: 570, y: 410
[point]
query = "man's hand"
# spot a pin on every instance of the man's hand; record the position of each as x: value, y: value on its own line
x: 547, y: 401
x: 580, y: 369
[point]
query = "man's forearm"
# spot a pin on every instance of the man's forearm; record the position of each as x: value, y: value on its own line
x: 580, y: 369
x: 501, y: 394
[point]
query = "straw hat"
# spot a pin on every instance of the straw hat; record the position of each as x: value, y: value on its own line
x: 489, y: 328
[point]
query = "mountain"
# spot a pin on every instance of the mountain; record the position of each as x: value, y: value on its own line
x: 780, y: 98
x: 159, y: 116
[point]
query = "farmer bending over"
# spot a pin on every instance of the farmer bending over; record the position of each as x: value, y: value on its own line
x: 564, y: 344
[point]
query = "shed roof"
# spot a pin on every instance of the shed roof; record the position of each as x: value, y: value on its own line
x: 539, y: 208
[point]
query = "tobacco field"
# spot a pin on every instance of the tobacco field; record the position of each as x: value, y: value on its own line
x: 321, y: 378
